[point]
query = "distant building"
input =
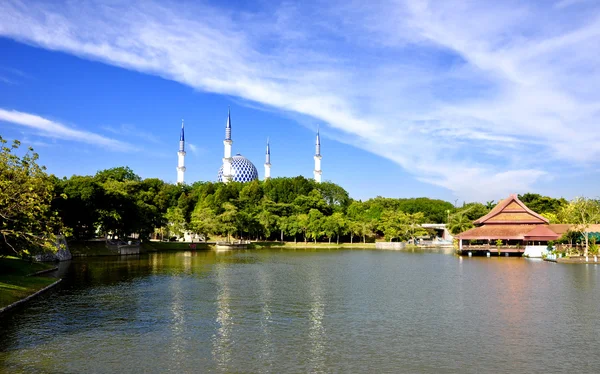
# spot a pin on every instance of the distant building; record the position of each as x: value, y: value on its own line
x: 520, y: 229
x: 181, y: 156
x: 238, y: 168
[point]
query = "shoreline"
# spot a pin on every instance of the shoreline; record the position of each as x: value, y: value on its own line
x: 27, y: 298
x: 580, y: 260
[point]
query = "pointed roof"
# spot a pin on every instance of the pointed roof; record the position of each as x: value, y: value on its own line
x: 543, y: 233
x: 182, y: 136
x: 228, y: 126
x: 511, y: 211
x: 493, y: 232
x: 318, y: 143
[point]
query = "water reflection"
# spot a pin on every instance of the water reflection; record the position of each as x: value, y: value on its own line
x: 316, y: 332
x: 222, y: 339
x: 309, y: 311
x: 266, y: 344
x: 177, y: 324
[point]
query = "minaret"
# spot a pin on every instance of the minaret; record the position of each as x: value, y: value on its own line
x: 181, y: 156
x: 318, y: 157
x: 227, y: 154
x: 268, y: 161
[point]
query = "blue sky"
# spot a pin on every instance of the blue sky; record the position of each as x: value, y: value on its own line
x: 454, y: 100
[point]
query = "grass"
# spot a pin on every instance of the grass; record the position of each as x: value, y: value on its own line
x: 14, y: 282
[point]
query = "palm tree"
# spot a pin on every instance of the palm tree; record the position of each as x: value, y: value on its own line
x: 459, y: 223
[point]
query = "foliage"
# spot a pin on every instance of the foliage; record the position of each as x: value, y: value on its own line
x: 593, y: 247
x: 118, y: 202
x: 581, y: 213
x: 175, y: 221
x: 473, y: 211
x: 27, y: 222
x: 542, y: 204
x: 459, y: 223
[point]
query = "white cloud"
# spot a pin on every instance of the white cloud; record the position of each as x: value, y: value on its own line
x: 132, y: 132
x: 52, y: 129
x: 483, y: 98
x: 192, y: 147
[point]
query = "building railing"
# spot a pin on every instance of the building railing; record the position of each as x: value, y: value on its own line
x: 491, y: 247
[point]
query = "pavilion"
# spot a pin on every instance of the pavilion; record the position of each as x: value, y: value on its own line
x: 519, y: 228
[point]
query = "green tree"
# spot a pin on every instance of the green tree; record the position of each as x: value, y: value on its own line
x: 228, y: 220
x: 176, y: 223
x: 120, y: 174
x: 365, y: 227
x: 204, y: 221
x: 354, y: 228
x: 290, y: 226
x: 412, y: 226
x: 302, y: 221
x: 340, y: 224
x: 27, y: 223
x: 459, y: 223
x: 315, y: 224
x: 393, y: 224
x: 473, y: 211
x: 581, y: 213
x: 77, y: 201
x: 543, y: 204
x: 268, y: 221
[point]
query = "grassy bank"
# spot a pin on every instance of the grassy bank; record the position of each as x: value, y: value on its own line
x: 15, y: 284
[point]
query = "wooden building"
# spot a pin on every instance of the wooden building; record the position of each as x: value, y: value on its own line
x: 512, y: 223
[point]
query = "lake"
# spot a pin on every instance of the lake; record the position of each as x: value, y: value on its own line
x: 318, y: 311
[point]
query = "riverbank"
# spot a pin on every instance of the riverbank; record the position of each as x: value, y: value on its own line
x: 260, y: 245
x: 575, y: 260
x: 20, y: 279
x: 98, y: 248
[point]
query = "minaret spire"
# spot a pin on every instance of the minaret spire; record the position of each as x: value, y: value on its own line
x: 227, y: 151
x: 268, y: 161
x: 181, y: 156
x: 317, y: 172
x: 228, y: 126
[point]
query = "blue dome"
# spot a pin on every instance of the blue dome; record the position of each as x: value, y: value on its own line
x: 242, y: 170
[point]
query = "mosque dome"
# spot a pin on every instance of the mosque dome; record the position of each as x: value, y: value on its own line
x: 242, y: 170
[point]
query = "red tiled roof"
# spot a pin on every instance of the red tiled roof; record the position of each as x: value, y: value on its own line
x: 511, y: 211
x: 542, y: 232
x: 492, y: 232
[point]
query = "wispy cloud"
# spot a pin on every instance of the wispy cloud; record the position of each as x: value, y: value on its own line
x: 132, y: 132
x: 483, y: 98
x: 192, y: 148
x: 12, y: 76
x: 6, y: 80
x: 51, y: 129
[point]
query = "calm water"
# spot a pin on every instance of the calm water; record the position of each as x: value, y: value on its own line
x: 310, y: 311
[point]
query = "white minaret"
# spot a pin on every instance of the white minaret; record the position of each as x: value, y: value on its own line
x: 268, y: 161
x: 227, y: 154
x: 181, y: 156
x: 318, y: 157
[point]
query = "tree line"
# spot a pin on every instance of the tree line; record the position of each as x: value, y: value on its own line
x: 36, y: 206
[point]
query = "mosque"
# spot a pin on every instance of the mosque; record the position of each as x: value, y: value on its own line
x: 238, y: 168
